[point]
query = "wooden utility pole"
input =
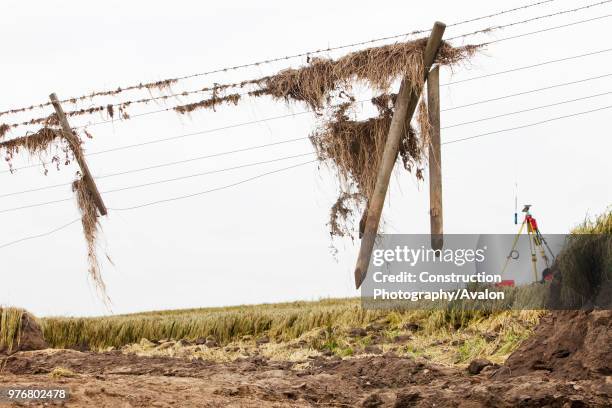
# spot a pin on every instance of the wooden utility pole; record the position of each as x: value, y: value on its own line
x: 75, y: 145
x: 405, y: 105
x: 435, y: 158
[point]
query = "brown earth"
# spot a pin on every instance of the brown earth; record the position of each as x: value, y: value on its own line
x: 114, y: 379
x: 565, y: 364
x: 568, y: 344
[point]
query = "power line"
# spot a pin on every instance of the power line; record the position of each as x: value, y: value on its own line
x: 167, y: 164
x: 290, y: 167
x: 526, y: 126
x: 225, y: 153
x: 70, y: 198
x: 172, y: 138
x: 446, y: 84
x: 206, y: 173
x: 525, y: 110
x: 44, y: 234
x: 157, y: 202
x: 483, y: 76
x: 160, y: 181
x: 487, y: 30
x: 529, y: 20
x: 285, y: 169
x: 180, y: 137
x: 539, y: 64
x: 271, y: 60
x: 548, y: 29
x: 526, y: 92
x: 24, y: 207
x: 212, y: 189
x: 453, y: 141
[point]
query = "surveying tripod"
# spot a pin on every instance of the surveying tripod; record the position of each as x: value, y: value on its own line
x: 537, y: 243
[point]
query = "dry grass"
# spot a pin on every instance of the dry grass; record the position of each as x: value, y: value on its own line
x: 376, y: 67
x: 209, y: 103
x: 297, y: 330
x: 34, y: 144
x: 61, y: 372
x: 493, y: 337
x: 10, y: 327
x: 89, y: 220
x: 354, y: 149
x: 585, y: 264
x: 4, y: 128
x: 281, y: 322
x: 424, y: 127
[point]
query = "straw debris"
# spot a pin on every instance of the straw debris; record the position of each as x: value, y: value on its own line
x: 354, y: 149
x: 89, y: 220
x: 35, y: 144
x: 376, y: 67
x: 209, y: 103
x: 424, y: 126
x: 4, y: 128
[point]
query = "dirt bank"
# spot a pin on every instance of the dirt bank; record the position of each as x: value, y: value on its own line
x: 117, y: 380
x: 28, y: 337
x: 567, y: 344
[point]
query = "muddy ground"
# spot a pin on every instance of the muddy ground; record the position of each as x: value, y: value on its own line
x: 567, y: 362
x: 115, y: 379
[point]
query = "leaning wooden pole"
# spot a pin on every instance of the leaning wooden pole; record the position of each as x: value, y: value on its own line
x: 405, y: 105
x: 435, y: 158
x: 75, y: 145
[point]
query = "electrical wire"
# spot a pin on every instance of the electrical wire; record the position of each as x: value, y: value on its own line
x: 446, y: 84
x: 530, y: 20
x: 548, y: 29
x: 469, y: 79
x: 539, y: 64
x: 487, y: 30
x: 381, y: 39
x: 524, y: 110
x: 212, y: 189
x: 271, y: 60
x: 278, y: 171
x: 526, y: 92
x: 167, y: 164
x: 44, y: 234
x: 290, y: 167
x: 158, y: 202
x: 160, y: 181
x: 525, y: 126
x: 173, y: 138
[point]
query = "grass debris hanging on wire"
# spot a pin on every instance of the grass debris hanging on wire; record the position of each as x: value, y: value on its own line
x: 42, y: 142
x: 353, y: 148
x: 37, y: 144
x: 89, y: 220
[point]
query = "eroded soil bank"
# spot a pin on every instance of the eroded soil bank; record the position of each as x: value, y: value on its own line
x: 566, y: 363
x: 118, y: 380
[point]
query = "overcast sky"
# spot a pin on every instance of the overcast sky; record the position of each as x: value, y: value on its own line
x: 267, y: 240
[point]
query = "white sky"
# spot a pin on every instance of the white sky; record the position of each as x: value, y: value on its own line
x: 267, y: 240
